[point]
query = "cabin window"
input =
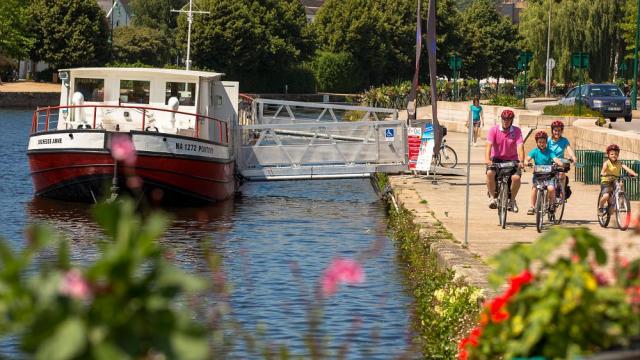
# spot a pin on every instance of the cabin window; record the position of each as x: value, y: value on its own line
x: 134, y: 91
x: 91, y: 89
x: 185, y: 92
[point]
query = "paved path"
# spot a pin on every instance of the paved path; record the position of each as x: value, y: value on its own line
x: 29, y: 86
x: 446, y: 200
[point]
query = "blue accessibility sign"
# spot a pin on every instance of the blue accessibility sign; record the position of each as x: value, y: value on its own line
x: 389, y: 134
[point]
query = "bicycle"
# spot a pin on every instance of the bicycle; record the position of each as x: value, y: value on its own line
x: 544, y: 173
x: 504, y: 171
x: 560, y: 190
x: 618, y: 202
x: 446, y: 156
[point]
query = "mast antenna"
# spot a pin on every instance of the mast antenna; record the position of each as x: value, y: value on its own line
x: 189, y: 13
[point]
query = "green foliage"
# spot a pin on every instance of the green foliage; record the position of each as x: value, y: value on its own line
x: 569, y: 110
x: 569, y: 309
x: 445, y: 308
x: 337, y: 72
x: 493, y: 42
x: 125, y: 305
x: 505, y: 100
x: 252, y: 42
x: 376, y: 33
x: 133, y: 44
x: 600, y: 33
x: 15, y: 39
x: 68, y: 33
x: 156, y: 14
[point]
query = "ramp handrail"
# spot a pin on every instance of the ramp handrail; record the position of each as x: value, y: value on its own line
x: 258, y: 110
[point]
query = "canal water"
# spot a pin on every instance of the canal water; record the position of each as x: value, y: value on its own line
x: 275, y: 242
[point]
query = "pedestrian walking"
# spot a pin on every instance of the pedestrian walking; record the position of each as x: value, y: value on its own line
x: 476, y: 116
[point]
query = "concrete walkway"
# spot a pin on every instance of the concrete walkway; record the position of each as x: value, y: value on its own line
x: 486, y: 238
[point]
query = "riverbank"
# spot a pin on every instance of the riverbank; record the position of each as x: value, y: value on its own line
x: 29, y: 94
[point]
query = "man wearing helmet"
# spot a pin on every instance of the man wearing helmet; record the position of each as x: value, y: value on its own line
x: 504, y: 143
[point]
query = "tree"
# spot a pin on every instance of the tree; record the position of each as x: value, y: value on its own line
x: 595, y: 28
x: 68, y: 33
x: 156, y: 14
x: 132, y: 44
x: 248, y: 40
x: 377, y: 33
x: 15, y: 40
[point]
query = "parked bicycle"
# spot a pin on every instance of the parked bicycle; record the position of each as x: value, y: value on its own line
x: 446, y: 156
x: 618, y: 203
x: 504, y: 171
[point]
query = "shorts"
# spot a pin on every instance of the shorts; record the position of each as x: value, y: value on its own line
x: 546, y: 180
x: 606, y: 188
x: 517, y: 170
x: 476, y: 124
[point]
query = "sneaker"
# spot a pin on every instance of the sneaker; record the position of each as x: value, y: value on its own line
x: 531, y: 211
x: 603, y: 211
x: 513, y: 206
x: 493, y: 203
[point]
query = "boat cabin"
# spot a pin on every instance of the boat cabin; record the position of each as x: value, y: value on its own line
x: 188, y: 103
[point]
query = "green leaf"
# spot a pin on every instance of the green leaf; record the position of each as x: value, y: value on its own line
x: 189, y: 346
x: 67, y: 341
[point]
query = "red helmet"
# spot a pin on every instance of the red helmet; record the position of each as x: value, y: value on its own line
x: 541, y: 135
x: 507, y: 114
x: 557, y: 124
x: 613, y: 147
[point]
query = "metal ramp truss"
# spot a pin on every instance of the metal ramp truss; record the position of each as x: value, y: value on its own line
x: 319, y: 147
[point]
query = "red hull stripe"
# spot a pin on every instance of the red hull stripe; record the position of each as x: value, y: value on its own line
x: 207, y: 179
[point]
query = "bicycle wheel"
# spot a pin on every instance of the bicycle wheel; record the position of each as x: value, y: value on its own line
x: 447, y: 157
x: 623, y: 211
x: 559, y: 205
x: 503, y: 200
x: 603, y: 219
x: 539, y: 209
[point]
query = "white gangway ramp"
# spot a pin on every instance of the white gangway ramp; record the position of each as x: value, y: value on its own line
x: 284, y: 140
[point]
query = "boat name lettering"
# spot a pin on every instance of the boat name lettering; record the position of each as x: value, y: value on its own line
x: 50, y: 141
x: 194, y: 148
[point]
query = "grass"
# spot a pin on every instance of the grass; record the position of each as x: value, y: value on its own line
x: 445, y: 308
x: 570, y: 110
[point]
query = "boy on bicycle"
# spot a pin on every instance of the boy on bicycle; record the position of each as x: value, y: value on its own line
x: 611, y: 169
x: 542, y: 155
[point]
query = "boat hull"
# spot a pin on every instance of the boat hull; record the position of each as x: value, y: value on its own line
x: 86, y: 173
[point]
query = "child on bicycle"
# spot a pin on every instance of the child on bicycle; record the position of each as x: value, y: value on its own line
x: 611, y: 169
x: 542, y: 155
x: 558, y: 144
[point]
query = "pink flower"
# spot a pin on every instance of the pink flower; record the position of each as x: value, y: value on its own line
x: 345, y: 271
x: 74, y: 285
x: 122, y: 149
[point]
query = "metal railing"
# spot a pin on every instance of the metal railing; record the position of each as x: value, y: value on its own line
x: 590, y: 172
x: 268, y: 111
x: 47, y: 119
x: 325, y: 149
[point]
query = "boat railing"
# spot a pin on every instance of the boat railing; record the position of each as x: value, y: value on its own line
x: 48, y: 118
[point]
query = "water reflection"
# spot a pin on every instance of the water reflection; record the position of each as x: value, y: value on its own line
x: 275, y: 242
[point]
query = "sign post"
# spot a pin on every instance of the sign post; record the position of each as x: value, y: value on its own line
x: 580, y: 61
x: 455, y: 63
x: 523, y: 63
x: 551, y: 64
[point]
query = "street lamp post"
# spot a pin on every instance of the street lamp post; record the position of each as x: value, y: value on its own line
x: 547, y: 83
x: 455, y: 63
x: 634, y: 93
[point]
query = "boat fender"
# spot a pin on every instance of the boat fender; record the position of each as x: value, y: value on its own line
x: 117, y: 127
x: 174, y: 104
x: 77, y: 114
